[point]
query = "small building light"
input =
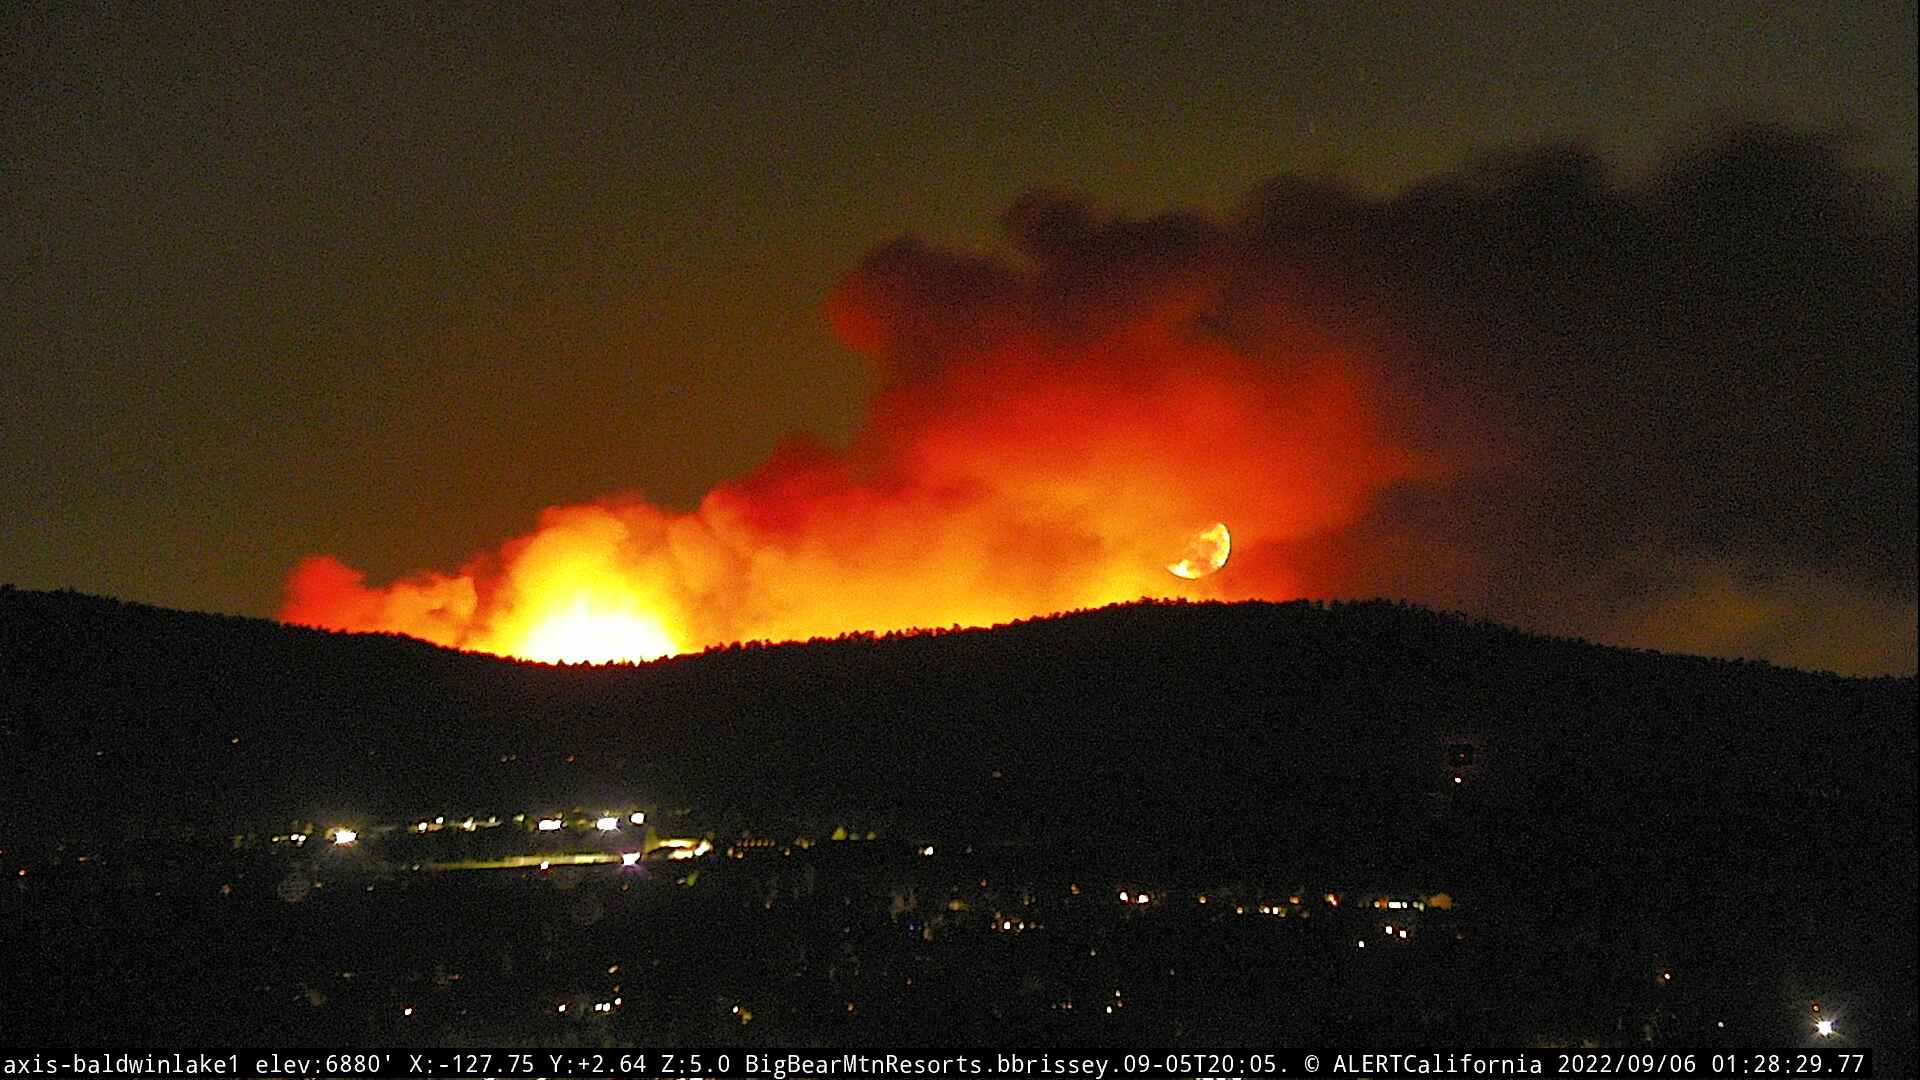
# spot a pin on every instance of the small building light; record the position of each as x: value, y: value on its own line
x: 629, y: 858
x: 1824, y: 1027
x: 550, y: 824
x: 638, y: 817
x: 607, y: 824
x: 344, y: 837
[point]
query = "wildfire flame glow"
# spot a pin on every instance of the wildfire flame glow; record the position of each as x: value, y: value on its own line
x: 1030, y: 449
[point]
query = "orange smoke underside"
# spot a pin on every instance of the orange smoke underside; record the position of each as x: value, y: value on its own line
x: 1025, y: 481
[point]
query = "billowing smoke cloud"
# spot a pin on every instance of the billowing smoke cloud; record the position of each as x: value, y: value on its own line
x: 1676, y: 412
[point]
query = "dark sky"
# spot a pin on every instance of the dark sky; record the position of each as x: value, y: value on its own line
x: 282, y: 282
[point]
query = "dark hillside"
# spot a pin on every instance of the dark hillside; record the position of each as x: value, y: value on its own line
x: 1590, y: 806
x: 1285, y: 734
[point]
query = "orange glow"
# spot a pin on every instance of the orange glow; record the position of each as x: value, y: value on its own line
x: 580, y: 633
x: 1020, y: 472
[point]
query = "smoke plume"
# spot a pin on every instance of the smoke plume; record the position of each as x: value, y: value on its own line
x: 1675, y: 411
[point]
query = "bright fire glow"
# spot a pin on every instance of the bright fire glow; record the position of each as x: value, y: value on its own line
x: 586, y: 633
x: 1026, y: 451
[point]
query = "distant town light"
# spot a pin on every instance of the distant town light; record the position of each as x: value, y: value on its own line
x: 408, y: 1011
x: 1824, y: 1027
x: 1125, y: 897
x: 546, y: 864
x: 638, y: 817
x: 423, y: 826
x: 550, y: 824
x: 607, y: 824
x: 629, y: 858
x: 928, y: 850
x: 344, y: 837
x: 1403, y: 935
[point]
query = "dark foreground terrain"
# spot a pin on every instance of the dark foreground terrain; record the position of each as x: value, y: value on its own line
x: 1581, y: 844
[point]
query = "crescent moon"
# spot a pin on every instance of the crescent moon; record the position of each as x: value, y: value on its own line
x: 1206, y: 553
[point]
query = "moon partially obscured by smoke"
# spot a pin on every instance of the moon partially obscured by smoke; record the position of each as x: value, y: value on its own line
x: 1675, y: 411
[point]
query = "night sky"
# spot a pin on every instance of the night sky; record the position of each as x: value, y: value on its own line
x: 1617, y: 362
